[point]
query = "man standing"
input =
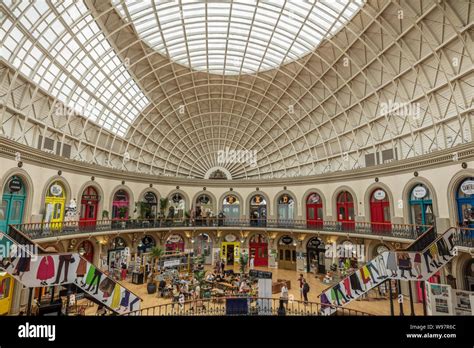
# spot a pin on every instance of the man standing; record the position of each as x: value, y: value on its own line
x: 305, y: 292
x: 301, y: 280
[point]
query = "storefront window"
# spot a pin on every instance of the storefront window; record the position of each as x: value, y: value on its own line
x: 465, y: 203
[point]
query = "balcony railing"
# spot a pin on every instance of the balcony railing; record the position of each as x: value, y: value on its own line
x: 464, y: 237
x: 46, y: 230
x: 218, y: 306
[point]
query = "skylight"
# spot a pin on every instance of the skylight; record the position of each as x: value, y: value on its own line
x: 63, y: 50
x: 236, y: 37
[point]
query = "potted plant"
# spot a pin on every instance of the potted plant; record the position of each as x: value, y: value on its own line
x: 156, y: 253
x: 105, y: 214
x: 243, y: 262
x: 187, y: 220
x: 163, y: 206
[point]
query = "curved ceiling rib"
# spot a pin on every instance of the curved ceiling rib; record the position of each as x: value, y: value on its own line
x: 378, y: 77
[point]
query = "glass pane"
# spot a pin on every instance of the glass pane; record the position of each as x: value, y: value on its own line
x: 287, y: 255
x: 15, y: 214
x: 386, y: 213
x: 311, y: 213
x: 417, y: 214
x: 3, y: 210
x: 83, y: 211
x: 294, y: 255
x: 4, y: 288
x: 351, y: 213
x: 320, y: 213
x: 281, y: 254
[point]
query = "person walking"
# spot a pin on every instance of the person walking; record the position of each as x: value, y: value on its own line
x: 305, y: 292
x: 284, y: 295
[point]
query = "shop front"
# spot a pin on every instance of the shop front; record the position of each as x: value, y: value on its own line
x: 380, y: 211
x: 314, y: 211
x: 118, y: 258
x: 231, y: 210
x: 421, y: 206
x: 86, y: 250
x: 89, y: 208
x: 146, y: 244
x: 174, y: 243
x: 230, y: 250
x: 465, y: 204
x: 6, y: 293
x: 55, y: 203
x: 204, y: 210
x: 203, y: 247
x: 345, y: 211
x: 258, y: 211
x: 258, y: 247
x: 286, y: 210
x: 120, y: 205
x: 13, y: 203
x: 315, y: 256
x: 287, y: 253
x: 149, y: 206
x: 177, y: 205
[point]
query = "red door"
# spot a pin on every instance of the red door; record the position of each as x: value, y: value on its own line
x: 380, y: 212
x: 345, y: 211
x: 314, y: 211
x: 259, y: 251
x: 89, y: 208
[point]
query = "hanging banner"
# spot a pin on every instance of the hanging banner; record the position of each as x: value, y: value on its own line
x: 439, y: 299
x: 462, y: 302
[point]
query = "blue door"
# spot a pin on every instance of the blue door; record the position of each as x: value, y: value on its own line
x: 465, y: 202
x: 13, y: 203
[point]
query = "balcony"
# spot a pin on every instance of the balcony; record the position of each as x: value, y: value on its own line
x: 382, y: 230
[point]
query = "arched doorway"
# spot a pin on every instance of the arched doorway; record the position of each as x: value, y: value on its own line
x: 149, y: 206
x: 258, y: 211
x: 287, y: 253
x: 465, y: 203
x: 120, y: 205
x: 86, y: 250
x: 203, y: 210
x: 286, y: 210
x: 421, y: 206
x: 345, y: 211
x: 314, y: 211
x: 315, y: 256
x: 13, y: 203
x: 258, y: 246
x: 146, y: 244
x: 231, y: 210
x: 174, y: 243
x: 55, y: 202
x: 89, y: 208
x: 469, y: 275
x: 203, y: 247
x: 380, y: 211
x: 177, y: 206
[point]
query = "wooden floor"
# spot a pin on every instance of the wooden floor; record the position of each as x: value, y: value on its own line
x: 372, y: 305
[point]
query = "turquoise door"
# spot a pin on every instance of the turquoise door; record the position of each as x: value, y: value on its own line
x: 12, y: 204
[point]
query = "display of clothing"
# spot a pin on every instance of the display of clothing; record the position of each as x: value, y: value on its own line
x: 45, y: 269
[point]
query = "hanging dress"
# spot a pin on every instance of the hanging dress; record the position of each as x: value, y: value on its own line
x: 116, y: 297
x: 107, y: 286
x: 90, y: 274
x: 45, y: 268
x: 81, y: 267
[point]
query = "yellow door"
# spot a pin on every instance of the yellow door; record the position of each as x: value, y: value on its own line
x: 54, y: 211
x: 6, y: 293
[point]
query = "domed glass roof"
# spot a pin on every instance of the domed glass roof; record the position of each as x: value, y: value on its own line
x: 236, y: 37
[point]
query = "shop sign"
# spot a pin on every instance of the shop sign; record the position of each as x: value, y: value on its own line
x: 120, y: 196
x: 174, y: 238
x: 381, y: 249
x: 380, y: 195
x: 419, y: 192
x: 467, y: 187
x: 230, y: 238
x: 171, y: 263
x: 56, y: 190
x: 314, y: 243
x: 314, y: 198
x: 287, y: 240
x: 260, y: 274
x: 150, y: 197
x: 15, y: 185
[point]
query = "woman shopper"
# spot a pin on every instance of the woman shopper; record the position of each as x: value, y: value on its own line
x: 305, y: 292
x: 301, y: 282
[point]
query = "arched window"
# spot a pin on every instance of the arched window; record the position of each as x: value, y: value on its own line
x: 380, y: 211
x: 177, y: 205
x: 286, y: 209
x: 258, y: 211
x: 149, y: 206
x: 465, y: 203
x: 314, y: 211
x: 345, y: 210
x: 421, y: 205
x: 12, y: 205
x: 55, y: 203
x: 120, y: 205
x: 89, y: 207
x: 231, y: 210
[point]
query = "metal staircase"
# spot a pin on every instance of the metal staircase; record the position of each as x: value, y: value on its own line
x: 419, y: 261
x: 34, y: 267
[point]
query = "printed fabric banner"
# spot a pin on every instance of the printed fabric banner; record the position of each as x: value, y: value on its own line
x: 33, y: 270
x: 401, y: 265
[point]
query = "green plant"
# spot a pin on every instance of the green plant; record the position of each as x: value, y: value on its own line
x: 122, y: 211
x: 243, y: 262
x: 105, y: 214
x: 163, y: 205
x: 145, y: 210
x: 156, y: 254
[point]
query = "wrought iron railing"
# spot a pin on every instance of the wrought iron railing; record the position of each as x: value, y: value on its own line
x: 45, y: 230
x: 219, y: 306
x: 464, y: 237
